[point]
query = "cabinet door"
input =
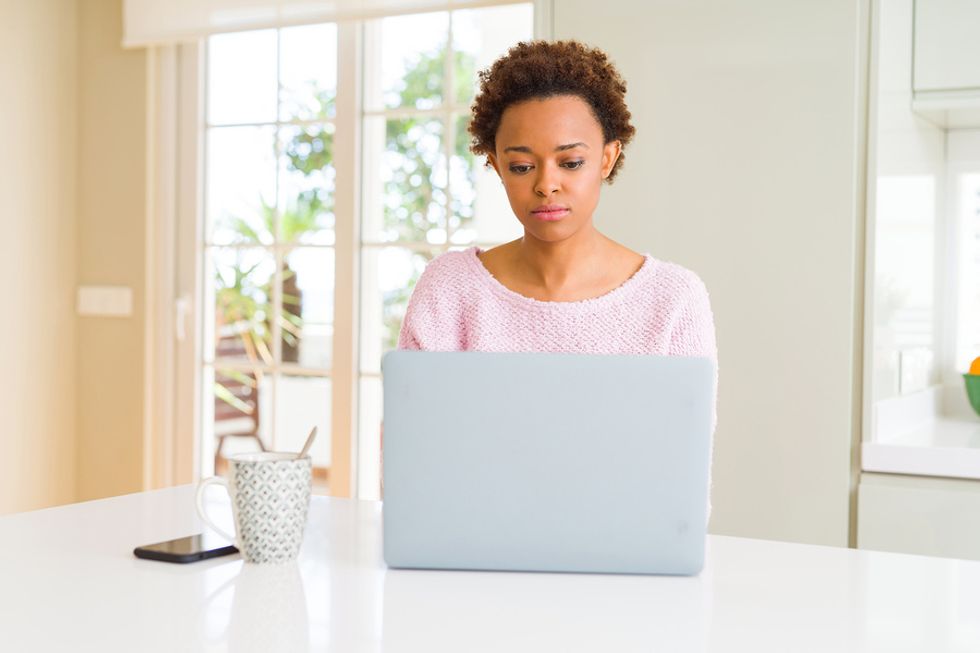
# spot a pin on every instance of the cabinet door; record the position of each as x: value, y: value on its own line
x: 947, y: 46
x: 919, y: 515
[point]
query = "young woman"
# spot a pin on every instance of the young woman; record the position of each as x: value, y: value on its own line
x: 552, y: 121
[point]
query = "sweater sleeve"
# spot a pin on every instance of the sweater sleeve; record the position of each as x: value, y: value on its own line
x: 429, y: 320
x: 409, y: 337
x: 694, y: 335
x: 694, y: 330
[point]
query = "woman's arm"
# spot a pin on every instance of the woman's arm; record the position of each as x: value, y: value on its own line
x: 694, y: 335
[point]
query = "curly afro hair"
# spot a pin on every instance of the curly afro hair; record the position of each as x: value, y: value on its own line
x: 533, y: 70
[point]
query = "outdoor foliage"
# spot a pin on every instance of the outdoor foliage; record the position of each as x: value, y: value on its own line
x: 414, y: 205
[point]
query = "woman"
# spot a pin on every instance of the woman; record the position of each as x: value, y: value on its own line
x: 551, y: 119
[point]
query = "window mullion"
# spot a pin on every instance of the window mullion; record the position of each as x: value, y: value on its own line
x: 449, y: 139
x: 311, y: 122
x: 275, y: 329
x: 413, y: 112
x: 343, y: 467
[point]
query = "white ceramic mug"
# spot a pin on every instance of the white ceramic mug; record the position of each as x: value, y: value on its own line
x: 270, y: 497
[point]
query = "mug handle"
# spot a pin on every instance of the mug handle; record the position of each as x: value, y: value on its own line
x: 200, y: 506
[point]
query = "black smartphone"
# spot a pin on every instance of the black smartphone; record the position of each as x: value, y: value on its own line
x: 187, y: 549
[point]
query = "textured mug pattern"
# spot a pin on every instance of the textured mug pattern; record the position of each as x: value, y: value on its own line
x: 271, y: 499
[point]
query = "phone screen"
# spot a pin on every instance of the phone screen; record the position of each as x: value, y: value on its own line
x: 187, y: 549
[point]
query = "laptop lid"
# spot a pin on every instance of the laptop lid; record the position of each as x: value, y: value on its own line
x: 546, y: 462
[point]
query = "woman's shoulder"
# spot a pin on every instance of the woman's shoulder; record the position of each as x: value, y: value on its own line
x: 678, y: 275
x: 453, y: 269
x: 434, y: 315
x: 447, y: 276
x: 656, y: 279
x: 673, y: 282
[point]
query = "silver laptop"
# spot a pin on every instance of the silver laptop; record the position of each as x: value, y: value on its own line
x: 546, y: 462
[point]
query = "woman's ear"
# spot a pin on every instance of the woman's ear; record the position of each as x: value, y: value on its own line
x: 610, y: 154
x: 492, y: 160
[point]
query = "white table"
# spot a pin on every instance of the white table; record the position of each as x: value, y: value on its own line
x: 69, y: 582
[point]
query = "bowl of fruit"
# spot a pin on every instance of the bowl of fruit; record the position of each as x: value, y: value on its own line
x: 972, y: 380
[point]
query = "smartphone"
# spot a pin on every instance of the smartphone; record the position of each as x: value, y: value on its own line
x: 187, y: 549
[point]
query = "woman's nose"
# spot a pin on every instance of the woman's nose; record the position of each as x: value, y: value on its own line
x: 547, y: 181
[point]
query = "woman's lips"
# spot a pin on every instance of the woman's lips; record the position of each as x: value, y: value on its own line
x: 550, y: 215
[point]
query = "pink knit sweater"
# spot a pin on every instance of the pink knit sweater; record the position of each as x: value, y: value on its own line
x: 457, y: 305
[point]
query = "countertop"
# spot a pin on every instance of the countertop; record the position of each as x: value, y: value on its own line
x: 69, y: 582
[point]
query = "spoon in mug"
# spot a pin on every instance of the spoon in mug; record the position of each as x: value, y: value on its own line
x: 309, y: 441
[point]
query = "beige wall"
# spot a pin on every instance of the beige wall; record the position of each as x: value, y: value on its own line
x: 111, y: 231
x: 747, y: 169
x: 37, y: 253
x: 72, y: 179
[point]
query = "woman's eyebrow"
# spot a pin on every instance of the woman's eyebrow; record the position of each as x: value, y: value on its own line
x: 560, y: 148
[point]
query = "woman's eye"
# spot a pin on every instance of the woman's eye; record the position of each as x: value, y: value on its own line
x: 572, y: 165
x: 520, y: 169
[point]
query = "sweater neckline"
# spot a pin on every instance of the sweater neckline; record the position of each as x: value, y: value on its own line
x: 500, y: 289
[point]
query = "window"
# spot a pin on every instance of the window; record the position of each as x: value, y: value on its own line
x: 269, y: 238
x: 424, y: 192
x: 966, y: 209
x: 904, y: 279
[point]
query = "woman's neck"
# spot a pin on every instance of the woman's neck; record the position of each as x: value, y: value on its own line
x: 557, y: 265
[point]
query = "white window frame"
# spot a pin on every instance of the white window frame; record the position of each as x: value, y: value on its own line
x: 449, y: 110
x: 171, y: 422
x: 962, y: 156
x: 346, y: 146
x: 173, y: 447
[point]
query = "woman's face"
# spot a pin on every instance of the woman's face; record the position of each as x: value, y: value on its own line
x: 549, y: 153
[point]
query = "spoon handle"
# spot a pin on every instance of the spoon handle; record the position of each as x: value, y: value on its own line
x: 309, y: 441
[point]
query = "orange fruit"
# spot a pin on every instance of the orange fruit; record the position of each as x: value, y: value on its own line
x: 975, y: 366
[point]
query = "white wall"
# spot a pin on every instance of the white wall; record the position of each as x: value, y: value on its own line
x: 37, y: 253
x: 747, y: 168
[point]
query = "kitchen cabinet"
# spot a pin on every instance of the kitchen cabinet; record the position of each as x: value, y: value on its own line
x: 946, y: 62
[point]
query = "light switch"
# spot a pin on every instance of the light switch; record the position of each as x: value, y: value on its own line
x: 106, y: 301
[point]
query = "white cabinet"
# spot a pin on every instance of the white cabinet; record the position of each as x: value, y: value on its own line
x: 924, y: 516
x: 947, y: 45
x: 946, y: 61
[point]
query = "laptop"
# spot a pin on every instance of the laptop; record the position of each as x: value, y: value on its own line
x: 546, y: 462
